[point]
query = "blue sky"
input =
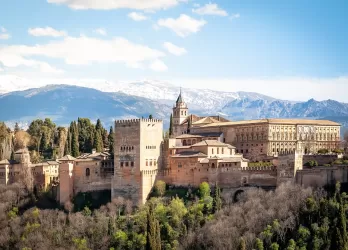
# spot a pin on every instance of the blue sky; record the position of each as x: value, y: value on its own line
x: 258, y: 45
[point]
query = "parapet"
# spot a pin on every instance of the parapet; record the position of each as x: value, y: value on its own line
x: 135, y: 122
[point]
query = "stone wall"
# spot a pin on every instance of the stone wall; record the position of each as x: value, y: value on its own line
x: 321, y: 176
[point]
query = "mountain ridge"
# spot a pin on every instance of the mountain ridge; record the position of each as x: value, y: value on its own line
x: 64, y: 102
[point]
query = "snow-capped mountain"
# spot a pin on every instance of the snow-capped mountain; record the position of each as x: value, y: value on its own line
x: 109, y: 101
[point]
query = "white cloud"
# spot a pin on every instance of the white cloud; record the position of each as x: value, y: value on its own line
x: 158, y: 65
x: 234, y: 16
x: 173, y: 49
x: 210, y: 9
x: 80, y: 51
x: 47, y: 31
x: 100, y: 31
x: 118, y: 4
x: 3, y: 34
x: 137, y: 16
x: 183, y: 25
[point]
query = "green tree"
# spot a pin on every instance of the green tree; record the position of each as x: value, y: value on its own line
x: 98, y: 141
x: 150, y: 116
x: 291, y: 245
x: 274, y: 246
x: 259, y: 244
x: 171, y: 125
x: 74, y: 140
x: 204, y: 190
x: 16, y: 128
x: 242, y: 244
x: 217, y: 202
x: 160, y: 188
x: 153, y: 236
x: 111, y: 141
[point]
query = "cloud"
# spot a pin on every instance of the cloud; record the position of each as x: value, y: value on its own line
x: 173, y: 49
x: 47, y: 31
x: 80, y: 51
x: 158, y: 65
x: 3, y: 34
x: 137, y: 16
x: 234, y: 16
x: 183, y: 25
x: 210, y: 9
x: 118, y: 4
x: 100, y: 31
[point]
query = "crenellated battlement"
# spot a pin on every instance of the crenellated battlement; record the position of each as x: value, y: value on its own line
x: 135, y: 122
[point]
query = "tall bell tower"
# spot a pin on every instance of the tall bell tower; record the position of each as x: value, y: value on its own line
x: 180, y: 113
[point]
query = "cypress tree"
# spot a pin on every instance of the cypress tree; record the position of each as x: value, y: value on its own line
x: 150, y: 116
x: 217, y: 202
x: 153, y: 236
x: 16, y: 128
x: 67, y: 145
x: 74, y: 140
x: 171, y: 125
x: 98, y: 141
x: 99, y: 126
x: 111, y: 141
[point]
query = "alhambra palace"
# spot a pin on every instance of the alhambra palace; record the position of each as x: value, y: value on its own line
x: 212, y: 149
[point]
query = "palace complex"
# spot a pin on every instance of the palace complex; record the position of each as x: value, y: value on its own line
x: 212, y: 149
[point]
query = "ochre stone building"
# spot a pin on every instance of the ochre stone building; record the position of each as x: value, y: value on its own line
x: 212, y: 149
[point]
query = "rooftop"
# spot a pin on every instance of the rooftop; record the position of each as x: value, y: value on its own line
x: 190, y: 154
x: 212, y: 143
x: 276, y: 121
x: 184, y: 136
x: 67, y: 158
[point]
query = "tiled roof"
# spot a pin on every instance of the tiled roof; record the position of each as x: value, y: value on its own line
x: 276, y: 121
x: 67, y: 158
x: 190, y: 154
x: 184, y: 136
x: 211, y: 143
x: 208, y: 134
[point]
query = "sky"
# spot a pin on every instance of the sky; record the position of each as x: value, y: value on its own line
x: 293, y: 50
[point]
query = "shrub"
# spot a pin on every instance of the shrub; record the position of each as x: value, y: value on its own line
x: 160, y: 188
x: 311, y: 163
x: 204, y: 190
x: 323, y: 151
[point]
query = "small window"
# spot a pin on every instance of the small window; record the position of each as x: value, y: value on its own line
x: 88, y: 172
x: 218, y: 151
x: 179, y: 165
x: 222, y: 150
x: 147, y: 163
x: 212, y: 151
x: 132, y: 164
x: 126, y: 163
x: 151, y: 163
x: 121, y: 163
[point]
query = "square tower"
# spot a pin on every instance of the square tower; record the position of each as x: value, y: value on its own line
x: 137, y: 156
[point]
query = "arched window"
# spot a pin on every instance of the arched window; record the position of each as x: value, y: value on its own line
x: 88, y: 172
x: 213, y: 165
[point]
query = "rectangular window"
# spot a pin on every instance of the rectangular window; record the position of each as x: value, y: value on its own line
x: 126, y: 163
x: 222, y: 150
x: 132, y: 164
x: 212, y: 151
x: 150, y: 162
x: 217, y: 150
x: 121, y: 163
x: 179, y: 165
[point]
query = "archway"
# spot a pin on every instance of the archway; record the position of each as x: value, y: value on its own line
x: 237, y: 195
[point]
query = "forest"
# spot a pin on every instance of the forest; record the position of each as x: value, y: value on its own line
x: 46, y: 140
x: 290, y: 217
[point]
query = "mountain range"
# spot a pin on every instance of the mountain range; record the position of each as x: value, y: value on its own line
x: 109, y: 101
